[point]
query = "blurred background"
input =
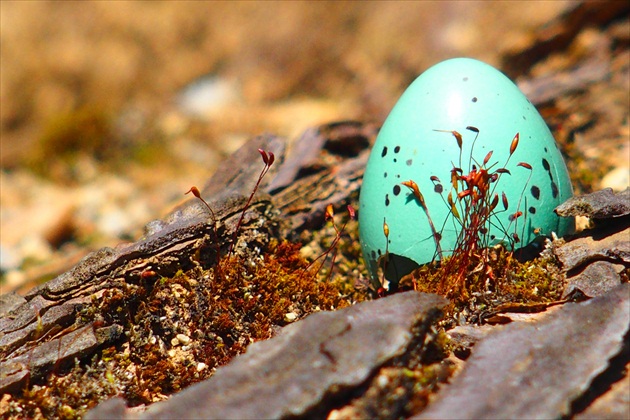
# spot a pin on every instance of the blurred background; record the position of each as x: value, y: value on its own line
x: 110, y: 111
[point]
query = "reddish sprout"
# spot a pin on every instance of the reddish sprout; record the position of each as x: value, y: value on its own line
x: 351, y: 212
x: 329, y: 212
x: 514, y: 144
x: 463, y: 194
x: 495, y: 201
x: 487, y: 158
x: 454, y: 179
x: 416, y: 191
x: 458, y: 137
x: 265, y: 158
x: 473, y: 129
x: 505, y: 200
x: 525, y: 165
x: 195, y: 191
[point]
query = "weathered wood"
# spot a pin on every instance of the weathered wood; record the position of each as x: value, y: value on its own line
x: 538, y: 370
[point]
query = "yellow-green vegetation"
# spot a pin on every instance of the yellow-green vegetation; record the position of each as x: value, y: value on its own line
x: 91, y: 134
x: 68, y: 136
x: 179, y: 330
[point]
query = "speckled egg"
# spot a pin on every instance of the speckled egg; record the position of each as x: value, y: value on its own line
x: 416, y: 143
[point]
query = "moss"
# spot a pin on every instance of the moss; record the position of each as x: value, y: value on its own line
x: 538, y: 281
x: 180, y: 329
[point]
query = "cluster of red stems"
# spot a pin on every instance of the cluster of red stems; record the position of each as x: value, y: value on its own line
x: 268, y: 159
x: 473, y: 202
x: 330, y: 216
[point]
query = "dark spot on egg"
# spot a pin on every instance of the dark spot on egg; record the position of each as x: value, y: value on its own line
x: 474, y: 99
x: 554, y: 189
x: 386, y: 199
x: 525, y: 119
x: 373, y: 254
x: 384, y: 152
x: 465, y: 79
x: 395, y: 160
x: 396, y: 149
x: 398, y: 176
x: 546, y: 151
x: 379, y: 252
x: 438, y: 188
x: 385, y: 175
x: 409, y: 162
x: 396, y: 189
x: 546, y: 165
x: 536, y: 192
x: 532, y: 210
x: 493, y: 237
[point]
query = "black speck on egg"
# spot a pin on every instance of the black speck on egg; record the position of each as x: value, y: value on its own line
x: 373, y: 254
x: 536, y: 192
x: 493, y: 237
x: 385, y: 175
x: 395, y: 160
x: 546, y: 151
x: 398, y: 176
x: 554, y: 189
x: 396, y: 149
x: 532, y: 210
x: 396, y: 189
x: 386, y: 199
x: 384, y: 152
x: 379, y: 252
x: 438, y: 188
x: 474, y: 99
x: 409, y: 162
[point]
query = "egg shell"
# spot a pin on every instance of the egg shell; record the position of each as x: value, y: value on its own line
x: 454, y: 95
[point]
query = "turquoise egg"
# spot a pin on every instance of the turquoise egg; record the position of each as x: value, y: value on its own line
x: 416, y: 143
